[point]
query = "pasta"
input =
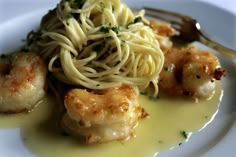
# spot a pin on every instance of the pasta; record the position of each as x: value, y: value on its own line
x: 99, y: 44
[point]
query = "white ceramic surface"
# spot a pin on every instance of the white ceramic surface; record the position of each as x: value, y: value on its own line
x: 216, y: 140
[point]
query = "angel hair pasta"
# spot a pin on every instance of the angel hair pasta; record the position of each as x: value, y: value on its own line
x: 99, y: 44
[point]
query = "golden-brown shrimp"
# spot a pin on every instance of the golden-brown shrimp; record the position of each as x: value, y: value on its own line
x: 102, y: 116
x: 165, y: 31
x: 22, y: 82
x: 190, y: 72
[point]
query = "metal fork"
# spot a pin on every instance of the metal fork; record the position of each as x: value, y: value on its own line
x: 188, y: 29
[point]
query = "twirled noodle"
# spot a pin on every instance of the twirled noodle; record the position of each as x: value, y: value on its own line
x: 99, y: 44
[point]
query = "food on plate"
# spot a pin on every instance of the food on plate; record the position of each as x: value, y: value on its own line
x: 190, y: 72
x: 99, y: 45
x: 102, y: 115
x: 100, y: 56
x: 22, y: 81
x: 187, y: 71
x: 165, y: 32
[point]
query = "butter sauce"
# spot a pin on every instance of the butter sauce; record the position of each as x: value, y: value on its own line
x: 170, y: 121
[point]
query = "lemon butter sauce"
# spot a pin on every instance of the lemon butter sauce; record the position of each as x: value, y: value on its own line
x: 170, y: 123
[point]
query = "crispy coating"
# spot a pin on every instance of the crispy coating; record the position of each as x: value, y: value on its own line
x: 22, y: 82
x: 102, y: 115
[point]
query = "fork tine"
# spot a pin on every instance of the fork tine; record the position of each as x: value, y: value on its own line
x: 169, y: 13
x: 162, y: 18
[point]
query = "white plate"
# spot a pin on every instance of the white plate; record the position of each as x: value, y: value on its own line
x: 216, y: 140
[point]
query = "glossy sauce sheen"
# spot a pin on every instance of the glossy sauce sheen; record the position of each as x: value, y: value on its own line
x: 168, y: 119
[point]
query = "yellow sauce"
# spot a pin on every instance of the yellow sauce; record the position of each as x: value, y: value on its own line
x: 162, y: 130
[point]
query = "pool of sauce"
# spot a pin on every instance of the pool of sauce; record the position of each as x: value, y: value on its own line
x: 170, y: 123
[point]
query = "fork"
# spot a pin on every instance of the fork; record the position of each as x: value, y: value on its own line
x: 188, y: 29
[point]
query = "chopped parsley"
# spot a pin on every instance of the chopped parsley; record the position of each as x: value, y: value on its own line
x: 160, y: 141
x: 108, y: 38
x: 136, y: 20
x: 184, y: 134
x: 116, y: 29
x: 69, y: 15
x: 105, y: 29
x: 165, y: 68
x: 98, y: 47
x: 102, y: 5
x: 143, y: 93
x: 152, y: 98
x: 62, y: 7
x: 123, y: 41
x: 79, y: 3
x: 118, y: 62
x: 3, y: 56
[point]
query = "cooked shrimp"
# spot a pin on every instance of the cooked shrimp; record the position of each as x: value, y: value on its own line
x: 165, y: 31
x: 102, y: 116
x: 190, y: 72
x: 22, y: 81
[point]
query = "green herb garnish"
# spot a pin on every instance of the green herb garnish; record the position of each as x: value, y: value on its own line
x: 79, y: 3
x: 98, y: 47
x: 104, y: 29
x: 138, y: 19
x: 69, y: 15
x: 184, y: 134
x: 118, y: 62
x: 165, y: 68
x: 3, y: 56
x: 116, y: 29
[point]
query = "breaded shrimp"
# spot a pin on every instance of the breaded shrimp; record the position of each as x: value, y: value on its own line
x: 102, y: 116
x: 190, y: 72
x: 165, y: 31
x: 22, y: 81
